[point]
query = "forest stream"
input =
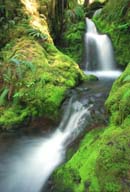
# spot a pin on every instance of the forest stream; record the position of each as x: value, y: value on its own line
x: 26, y: 162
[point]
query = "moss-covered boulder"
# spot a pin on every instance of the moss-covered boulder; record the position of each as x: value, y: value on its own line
x: 118, y: 102
x: 36, y: 78
x: 34, y: 74
x: 100, y: 164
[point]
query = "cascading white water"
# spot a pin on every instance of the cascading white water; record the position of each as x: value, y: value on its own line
x: 97, y: 12
x: 29, y: 170
x: 99, y: 52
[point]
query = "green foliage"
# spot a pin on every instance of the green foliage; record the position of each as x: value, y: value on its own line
x: 82, y: 164
x: 37, y: 77
x: 37, y: 34
x: 73, y: 39
x: 76, y: 14
x: 71, y: 31
x: 35, y: 74
x: 102, y: 161
x: 13, y: 117
x: 10, y: 15
x: 121, y: 7
x: 22, y: 66
x: 79, y: 12
x: 115, y: 20
x: 3, y: 96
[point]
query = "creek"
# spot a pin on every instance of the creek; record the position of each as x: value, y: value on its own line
x: 26, y: 162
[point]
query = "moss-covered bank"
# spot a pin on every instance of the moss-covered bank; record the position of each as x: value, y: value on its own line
x: 102, y: 161
x: 34, y: 74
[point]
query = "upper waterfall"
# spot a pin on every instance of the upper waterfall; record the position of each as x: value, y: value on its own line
x: 90, y: 27
x: 99, y: 54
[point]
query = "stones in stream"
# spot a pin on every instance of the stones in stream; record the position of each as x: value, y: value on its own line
x: 94, y: 94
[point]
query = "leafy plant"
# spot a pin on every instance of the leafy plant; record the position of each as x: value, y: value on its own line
x: 12, y: 71
x: 123, y: 26
x: 3, y: 95
x: 79, y: 12
x: 37, y: 34
x: 75, y: 14
x: 19, y: 63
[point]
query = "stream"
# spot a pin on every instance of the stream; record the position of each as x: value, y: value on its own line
x: 26, y: 161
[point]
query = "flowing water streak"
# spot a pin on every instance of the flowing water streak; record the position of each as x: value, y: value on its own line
x: 29, y: 170
x: 97, y: 12
x: 99, y: 52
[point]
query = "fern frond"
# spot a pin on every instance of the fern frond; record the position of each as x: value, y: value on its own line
x: 3, y: 96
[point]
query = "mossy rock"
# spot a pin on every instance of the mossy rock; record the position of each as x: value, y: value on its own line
x: 118, y: 103
x: 35, y: 75
x: 100, y: 164
x: 102, y: 161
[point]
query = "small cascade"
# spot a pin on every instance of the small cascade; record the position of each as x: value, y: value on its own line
x: 99, y: 54
x: 97, y: 12
x: 34, y: 162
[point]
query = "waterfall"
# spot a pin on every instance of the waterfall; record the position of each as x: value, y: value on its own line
x: 33, y: 162
x: 99, y: 54
x: 97, y: 12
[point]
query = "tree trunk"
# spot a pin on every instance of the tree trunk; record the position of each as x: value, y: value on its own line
x: 86, y: 2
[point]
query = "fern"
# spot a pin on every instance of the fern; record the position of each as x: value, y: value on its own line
x: 79, y: 12
x: 18, y: 64
x: 37, y: 34
x: 7, y: 75
x: 29, y: 65
x: 3, y: 95
x: 123, y: 26
x: 69, y: 15
x: 14, y: 61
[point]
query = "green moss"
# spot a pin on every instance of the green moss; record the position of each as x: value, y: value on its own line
x: 82, y: 164
x: 115, y: 21
x: 72, y: 41
x: 102, y: 161
x: 13, y: 117
x: 118, y: 102
x: 100, y: 164
x: 37, y: 76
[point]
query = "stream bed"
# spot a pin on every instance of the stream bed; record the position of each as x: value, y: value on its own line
x: 27, y: 161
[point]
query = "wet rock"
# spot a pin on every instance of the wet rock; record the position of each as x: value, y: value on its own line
x: 82, y: 89
x: 85, y: 102
x: 92, y: 99
x: 102, y: 110
x: 97, y: 113
x: 98, y: 95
